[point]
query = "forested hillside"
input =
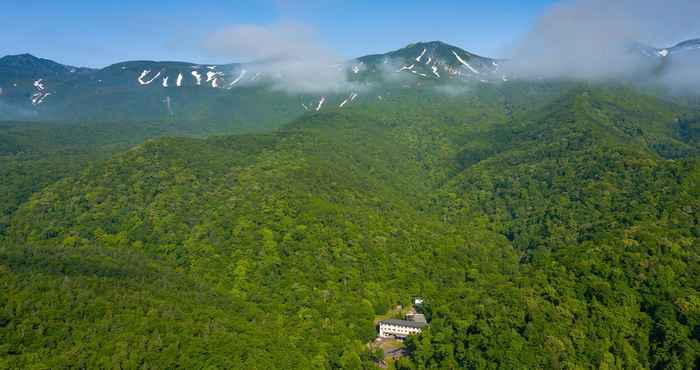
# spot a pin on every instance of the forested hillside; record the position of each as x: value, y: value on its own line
x: 605, y: 225
x: 546, y: 225
x: 33, y: 154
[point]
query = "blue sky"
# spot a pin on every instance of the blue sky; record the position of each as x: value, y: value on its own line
x: 98, y: 33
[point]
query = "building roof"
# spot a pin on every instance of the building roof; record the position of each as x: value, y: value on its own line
x: 417, y: 317
x: 406, y: 323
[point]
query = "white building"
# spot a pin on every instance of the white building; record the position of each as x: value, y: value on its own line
x: 394, y: 328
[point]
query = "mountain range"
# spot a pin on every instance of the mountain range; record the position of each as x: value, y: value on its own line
x: 32, y: 88
x: 40, y: 88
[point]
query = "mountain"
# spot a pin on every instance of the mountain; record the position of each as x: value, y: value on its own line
x: 676, y: 66
x: 39, y: 89
x: 27, y: 79
x: 545, y: 225
x: 28, y: 66
x: 430, y: 60
x: 681, y: 48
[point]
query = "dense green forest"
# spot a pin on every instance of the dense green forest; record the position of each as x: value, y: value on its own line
x: 546, y: 225
x: 35, y: 154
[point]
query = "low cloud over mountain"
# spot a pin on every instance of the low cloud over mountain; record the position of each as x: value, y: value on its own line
x: 594, y: 39
x: 291, y: 52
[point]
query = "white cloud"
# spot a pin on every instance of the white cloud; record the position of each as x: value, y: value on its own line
x: 591, y: 39
x: 290, y: 52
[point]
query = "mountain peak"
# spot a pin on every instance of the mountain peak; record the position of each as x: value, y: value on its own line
x: 435, y: 43
x: 434, y: 60
x: 19, y: 58
x: 19, y: 66
x: 437, y: 48
x: 430, y: 45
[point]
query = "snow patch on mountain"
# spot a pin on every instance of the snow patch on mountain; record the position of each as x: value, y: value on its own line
x: 38, y: 98
x: 213, y: 77
x: 197, y: 77
x: 168, y: 104
x: 144, y: 74
x: 421, y: 55
x: 238, y: 79
x: 464, y: 62
x: 357, y: 68
x: 40, y: 94
x: 320, y: 104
